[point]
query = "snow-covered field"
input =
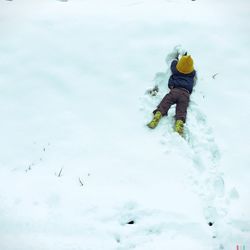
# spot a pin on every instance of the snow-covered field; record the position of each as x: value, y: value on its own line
x: 79, y: 170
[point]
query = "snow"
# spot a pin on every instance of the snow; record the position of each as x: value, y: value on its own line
x: 77, y: 162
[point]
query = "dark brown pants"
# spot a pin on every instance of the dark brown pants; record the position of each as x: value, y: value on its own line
x: 180, y: 97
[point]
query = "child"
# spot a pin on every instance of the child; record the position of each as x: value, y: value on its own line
x: 181, y: 84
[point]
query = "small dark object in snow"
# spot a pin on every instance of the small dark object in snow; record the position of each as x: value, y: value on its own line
x: 81, y: 182
x: 214, y: 76
x: 210, y: 224
x: 131, y: 222
x: 153, y: 91
x: 60, y: 173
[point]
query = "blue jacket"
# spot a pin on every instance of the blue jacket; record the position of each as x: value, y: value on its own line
x: 180, y: 80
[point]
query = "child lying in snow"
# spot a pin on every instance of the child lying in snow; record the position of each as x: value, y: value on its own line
x: 181, y: 84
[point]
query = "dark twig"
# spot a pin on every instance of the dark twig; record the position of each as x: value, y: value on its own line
x: 215, y: 75
x: 80, y: 181
x: 60, y: 173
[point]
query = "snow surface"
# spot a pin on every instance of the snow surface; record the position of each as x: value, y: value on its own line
x: 77, y: 162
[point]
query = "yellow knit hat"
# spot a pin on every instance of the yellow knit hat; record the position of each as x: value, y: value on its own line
x: 185, y: 65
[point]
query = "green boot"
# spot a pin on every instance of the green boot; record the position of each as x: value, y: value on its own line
x: 155, y: 120
x: 179, y: 127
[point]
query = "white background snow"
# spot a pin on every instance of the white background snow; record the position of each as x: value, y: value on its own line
x: 77, y: 162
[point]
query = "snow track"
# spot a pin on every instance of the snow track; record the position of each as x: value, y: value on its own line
x: 200, y: 147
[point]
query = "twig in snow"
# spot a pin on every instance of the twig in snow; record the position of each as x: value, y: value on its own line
x: 80, y: 181
x: 30, y: 167
x: 60, y: 173
x: 215, y: 75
